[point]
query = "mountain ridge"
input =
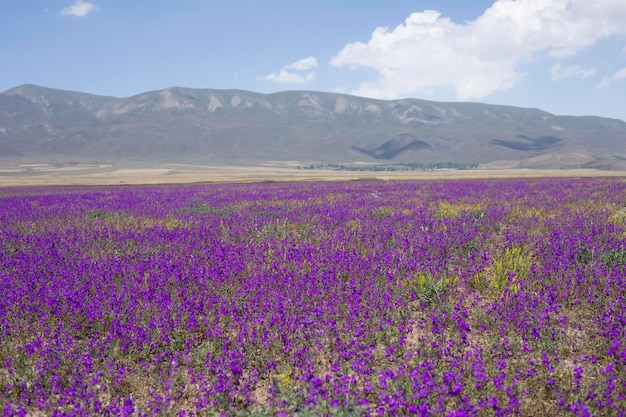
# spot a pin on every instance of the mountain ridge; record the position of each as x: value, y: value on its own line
x: 241, y: 127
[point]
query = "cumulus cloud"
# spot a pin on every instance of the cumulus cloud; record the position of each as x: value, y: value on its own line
x: 79, y: 8
x: 298, y: 72
x: 618, y: 76
x: 287, y: 77
x: 559, y: 72
x: 303, y: 64
x: 477, y: 58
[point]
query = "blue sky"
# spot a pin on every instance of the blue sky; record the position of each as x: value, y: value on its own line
x: 563, y: 56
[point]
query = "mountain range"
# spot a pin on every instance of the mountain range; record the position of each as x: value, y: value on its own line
x: 236, y: 127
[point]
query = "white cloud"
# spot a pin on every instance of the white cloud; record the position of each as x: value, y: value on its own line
x: 618, y: 76
x: 288, y: 77
x: 294, y: 73
x: 477, y: 58
x: 303, y: 64
x: 559, y: 72
x: 79, y: 8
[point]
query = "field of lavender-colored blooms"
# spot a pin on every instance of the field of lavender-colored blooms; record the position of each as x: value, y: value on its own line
x: 455, y: 298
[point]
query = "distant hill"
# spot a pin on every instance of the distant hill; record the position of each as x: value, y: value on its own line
x: 246, y: 128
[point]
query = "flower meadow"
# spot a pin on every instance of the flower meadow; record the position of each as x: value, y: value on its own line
x: 445, y: 298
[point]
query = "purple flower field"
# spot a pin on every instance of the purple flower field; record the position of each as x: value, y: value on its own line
x: 449, y: 298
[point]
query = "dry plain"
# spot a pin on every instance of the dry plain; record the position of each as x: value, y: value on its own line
x: 42, y: 174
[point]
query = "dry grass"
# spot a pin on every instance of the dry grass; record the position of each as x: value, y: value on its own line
x: 12, y: 176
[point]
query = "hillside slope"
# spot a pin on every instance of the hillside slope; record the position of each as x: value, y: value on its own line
x: 243, y: 128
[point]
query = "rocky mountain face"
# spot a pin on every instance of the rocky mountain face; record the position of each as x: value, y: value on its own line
x: 243, y: 128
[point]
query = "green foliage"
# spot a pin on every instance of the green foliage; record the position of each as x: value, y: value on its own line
x: 206, y: 209
x: 387, y: 167
x: 382, y: 212
x: 451, y: 210
x: 584, y: 256
x: 478, y: 216
x: 293, y: 399
x: 618, y: 216
x: 104, y: 214
x: 507, y: 270
x: 614, y: 257
x: 429, y: 289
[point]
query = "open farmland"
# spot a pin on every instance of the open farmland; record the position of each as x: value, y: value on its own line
x: 481, y: 297
x: 49, y: 174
